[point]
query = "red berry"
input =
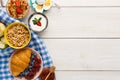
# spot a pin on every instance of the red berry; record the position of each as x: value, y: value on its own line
x: 35, y: 58
x: 38, y: 69
x: 27, y: 77
x: 33, y: 70
x: 39, y: 60
x: 36, y: 64
x: 17, y: 3
x: 19, y: 10
x: 31, y: 77
x: 39, y: 23
x: 32, y: 73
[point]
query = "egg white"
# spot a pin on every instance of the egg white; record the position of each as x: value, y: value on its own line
x: 37, y: 10
x: 33, y: 1
x: 45, y: 7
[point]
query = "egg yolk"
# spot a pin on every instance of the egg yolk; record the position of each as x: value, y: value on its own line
x: 47, y: 3
x: 39, y: 7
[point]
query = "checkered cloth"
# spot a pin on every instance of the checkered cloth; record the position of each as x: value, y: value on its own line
x: 35, y: 43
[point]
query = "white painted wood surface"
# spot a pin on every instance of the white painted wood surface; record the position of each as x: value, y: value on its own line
x: 89, y: 2
x: 85, y: 54
x: 88, y: 75
x: 73, y: 3
x: 82, y: 23
x: 83, y: 39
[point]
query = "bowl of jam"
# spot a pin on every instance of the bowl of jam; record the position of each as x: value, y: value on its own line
x: 44, y: 74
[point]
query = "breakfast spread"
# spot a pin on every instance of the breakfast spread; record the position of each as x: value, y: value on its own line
x: 25, y: 64
x: 17, y: 8
x: 38, y: 22
x: 17, y: 35
x: 40, y: 5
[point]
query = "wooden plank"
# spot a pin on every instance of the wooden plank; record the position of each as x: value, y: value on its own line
x: 88, y: 2
x: 85, y: 54
x: 84, y: 2
x: 83, y: 22
x: 87, y: 75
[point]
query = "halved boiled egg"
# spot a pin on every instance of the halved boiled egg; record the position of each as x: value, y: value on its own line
x: 47, y: 5
x: 38, y: 7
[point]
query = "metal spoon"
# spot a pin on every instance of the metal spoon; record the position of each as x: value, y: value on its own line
x: 52, y: 69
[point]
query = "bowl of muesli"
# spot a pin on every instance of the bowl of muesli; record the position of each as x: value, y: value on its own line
x: 17, y: 8
x: 17, y: 35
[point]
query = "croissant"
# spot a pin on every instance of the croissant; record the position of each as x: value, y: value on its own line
x: 20, y: 61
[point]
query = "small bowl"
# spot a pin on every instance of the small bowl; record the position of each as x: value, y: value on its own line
x: 37, y: 74
x: 40, y: 5
x: 45, y: 72
x: 6, y: 33
x: 15, y: 10
x: 44, y: 22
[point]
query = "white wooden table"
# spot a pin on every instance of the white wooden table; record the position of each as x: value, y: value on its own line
x: 83, y: 38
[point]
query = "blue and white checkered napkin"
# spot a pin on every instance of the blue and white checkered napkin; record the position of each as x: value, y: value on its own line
x: 35, y: 43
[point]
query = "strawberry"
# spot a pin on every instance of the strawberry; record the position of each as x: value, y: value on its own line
x: 17, y: 3
x: 19, y: 10
x: 39, y: 23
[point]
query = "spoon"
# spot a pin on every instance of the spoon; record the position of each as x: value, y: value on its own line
x: 52, y: 69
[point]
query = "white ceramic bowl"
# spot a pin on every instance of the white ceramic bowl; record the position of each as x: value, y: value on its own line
x: 44, y: 22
